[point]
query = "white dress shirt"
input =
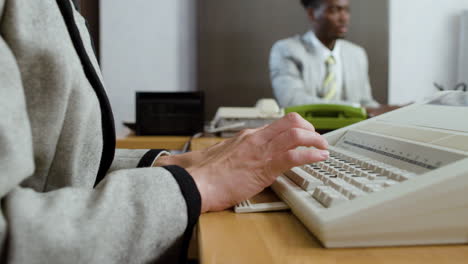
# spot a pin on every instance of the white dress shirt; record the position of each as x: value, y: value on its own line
x: 324, y: 53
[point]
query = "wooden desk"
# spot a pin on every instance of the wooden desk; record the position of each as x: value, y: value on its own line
x: 203, y: 143
x: 279, y: 237
x: 152, y: 142
x: 165, y: 142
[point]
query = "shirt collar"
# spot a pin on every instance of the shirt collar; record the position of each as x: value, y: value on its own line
x: 324, y: 51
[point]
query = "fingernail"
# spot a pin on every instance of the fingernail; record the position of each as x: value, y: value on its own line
x: 325, y: 154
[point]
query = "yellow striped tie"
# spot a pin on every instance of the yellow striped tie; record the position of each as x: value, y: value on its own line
x: 329, y: 84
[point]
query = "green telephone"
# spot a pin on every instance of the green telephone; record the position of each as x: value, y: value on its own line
x: 326, y: 117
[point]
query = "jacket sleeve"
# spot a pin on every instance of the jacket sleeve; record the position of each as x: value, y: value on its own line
x: 287, y: 78
x: 133, y: 216
x: 136, y: 158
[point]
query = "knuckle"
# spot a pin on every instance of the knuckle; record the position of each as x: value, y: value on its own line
x: 311, y: 125
x: 294, y: 118
x: 295, y: 134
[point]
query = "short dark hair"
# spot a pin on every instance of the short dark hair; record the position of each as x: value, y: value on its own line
x: 311, y: 3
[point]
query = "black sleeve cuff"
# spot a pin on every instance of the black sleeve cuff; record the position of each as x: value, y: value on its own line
x: 192, y: 198
x: 148, y: 159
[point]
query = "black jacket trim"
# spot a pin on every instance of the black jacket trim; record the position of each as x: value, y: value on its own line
x: 192, y: 198
x: 108, y: 127
x: 148, y: 159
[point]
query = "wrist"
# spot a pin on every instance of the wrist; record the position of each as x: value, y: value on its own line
x: 203, y: 188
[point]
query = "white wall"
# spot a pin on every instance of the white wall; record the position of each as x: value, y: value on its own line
x: 146, y: 46
x: 424, y: 40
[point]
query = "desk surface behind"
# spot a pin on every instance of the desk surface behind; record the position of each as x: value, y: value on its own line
x: 165, y: 142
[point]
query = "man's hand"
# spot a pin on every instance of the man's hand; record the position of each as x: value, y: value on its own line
x: 241, y: 167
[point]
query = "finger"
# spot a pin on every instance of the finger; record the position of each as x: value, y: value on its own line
x: 295, y: 157
x: 291, y: 120
x: 295, y: 137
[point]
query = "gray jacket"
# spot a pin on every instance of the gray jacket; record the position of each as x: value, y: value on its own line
x: 57, y: 139
x: 295, y: 82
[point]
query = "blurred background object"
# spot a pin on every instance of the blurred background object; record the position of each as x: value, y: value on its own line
x: 222, y: 47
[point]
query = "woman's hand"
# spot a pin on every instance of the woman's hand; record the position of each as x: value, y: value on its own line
x: 241, y: 167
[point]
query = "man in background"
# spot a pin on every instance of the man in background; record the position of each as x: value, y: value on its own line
x: 320, y: 66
